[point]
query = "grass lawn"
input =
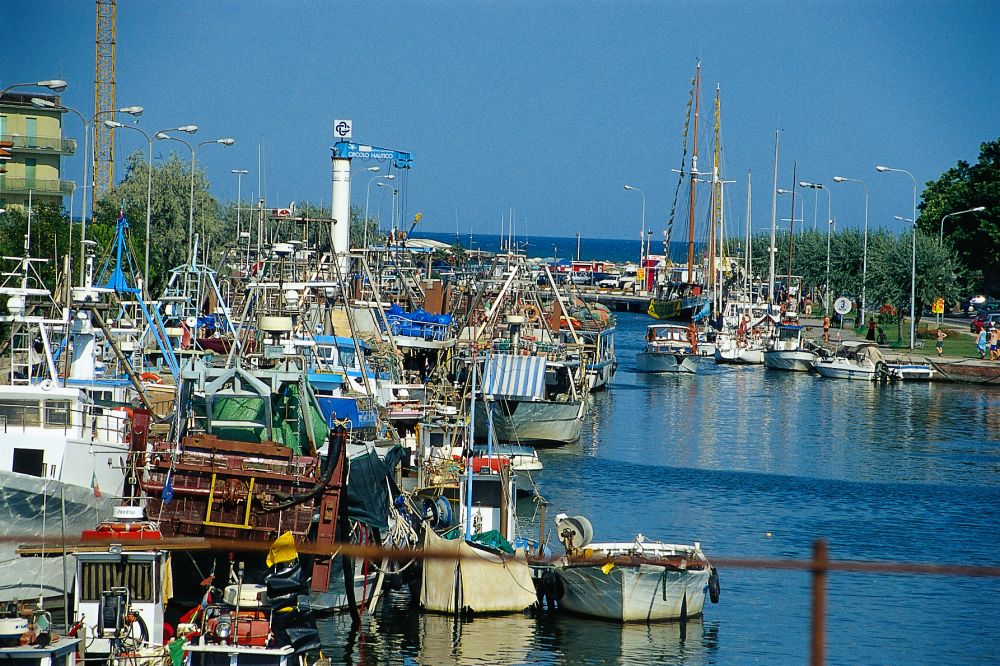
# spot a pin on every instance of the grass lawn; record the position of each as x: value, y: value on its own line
x: 958, y: 343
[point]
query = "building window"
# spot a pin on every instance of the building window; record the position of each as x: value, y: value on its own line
x: 31, y: 132
x: 29, y: 172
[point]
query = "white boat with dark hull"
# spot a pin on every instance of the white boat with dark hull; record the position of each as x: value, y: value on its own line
x: 638, y: 581
x: 530, y: 399
x: 854, y: 360
x: 669, y: 348
x: 790, y: 351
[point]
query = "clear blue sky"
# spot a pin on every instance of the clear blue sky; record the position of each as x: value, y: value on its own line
x: 544, y: 107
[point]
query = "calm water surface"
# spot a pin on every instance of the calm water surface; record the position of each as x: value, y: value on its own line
x: 755, y: 463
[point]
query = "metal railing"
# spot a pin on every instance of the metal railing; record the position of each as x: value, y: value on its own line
x: 41, y: 143
x: 39, y: 185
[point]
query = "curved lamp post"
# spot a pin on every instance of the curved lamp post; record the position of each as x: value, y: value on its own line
x: 977, y: 209
x: 864, y: 257
x: 913, y: 261
x: 829, y: 227
x: 642, y: 227
x: 48, y: 104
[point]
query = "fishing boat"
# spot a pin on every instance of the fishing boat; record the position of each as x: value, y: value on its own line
x: 66, y: 384
x: 669, y: 348
x: 853, y: 360
x: 968, y: 371
x: 484, y: 568
x: 637, y: 581
x: 789, y: 350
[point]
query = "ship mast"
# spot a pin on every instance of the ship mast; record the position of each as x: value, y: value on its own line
x: 716, y: 202
x: 694, y: 175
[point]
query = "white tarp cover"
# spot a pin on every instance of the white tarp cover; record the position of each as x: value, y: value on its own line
x: 486, y: 583
x: 510, y: 376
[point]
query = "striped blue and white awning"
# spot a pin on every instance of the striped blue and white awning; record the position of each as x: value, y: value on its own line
x: 508, y: 376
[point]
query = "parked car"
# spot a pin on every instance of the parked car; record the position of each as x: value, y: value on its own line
x: 983, y: 320
x: 989, y: 306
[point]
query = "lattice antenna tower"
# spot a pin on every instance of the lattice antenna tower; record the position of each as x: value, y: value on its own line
x: 104, y: 98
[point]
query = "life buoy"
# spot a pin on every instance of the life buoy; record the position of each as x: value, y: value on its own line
x: 47, y: 385
x: 151, y: 377
x: 531, y: 312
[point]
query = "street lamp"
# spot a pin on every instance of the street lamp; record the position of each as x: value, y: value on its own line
x: 55, y: 85
x: 913, y: 271
x: 913, y: 281
x: 191, y: 129
x: 149, y: 193
x: 829, y: 227
x: 368, y: 192
x: 49, y: 104
x: 977, y: 209
x: 393, y: 190
x: 632, y: 188
x: 239, y: 196
x: 864, y: 260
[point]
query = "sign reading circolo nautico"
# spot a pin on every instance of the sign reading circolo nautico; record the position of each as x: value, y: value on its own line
x: 368, y: 152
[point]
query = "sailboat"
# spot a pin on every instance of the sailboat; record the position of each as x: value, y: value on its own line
x: 683, y: 300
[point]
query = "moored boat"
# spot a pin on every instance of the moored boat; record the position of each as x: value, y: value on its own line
x: 853, y: 360
x: 669, y: 348
x: 637, y: 581
x: 789, y: 350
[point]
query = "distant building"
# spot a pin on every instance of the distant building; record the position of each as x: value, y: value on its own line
x: 37, y: 148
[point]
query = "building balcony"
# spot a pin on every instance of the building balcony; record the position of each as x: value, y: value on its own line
x: 40, y: 144
x: 58, y: 187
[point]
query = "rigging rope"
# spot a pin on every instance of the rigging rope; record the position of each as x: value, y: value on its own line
x: 680, y: 176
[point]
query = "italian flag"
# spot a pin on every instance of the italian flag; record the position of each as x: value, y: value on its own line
x: 93, y: 484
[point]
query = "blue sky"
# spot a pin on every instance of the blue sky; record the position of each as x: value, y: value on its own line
x: 548, y: 108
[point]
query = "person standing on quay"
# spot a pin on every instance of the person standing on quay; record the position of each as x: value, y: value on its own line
x: 940, y: 341
x: 871, y: 331
x: 826, y: 328
x: 981, y: 343
x: 994, y: 342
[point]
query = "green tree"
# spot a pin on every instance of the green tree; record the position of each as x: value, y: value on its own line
x: 169, y: 210
x: 974, y: 237
x: 890, y: 271
x: 50, y: 239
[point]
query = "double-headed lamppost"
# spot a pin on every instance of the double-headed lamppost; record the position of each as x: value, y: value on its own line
x: 913, y: 261
x: 864, y: 256
x: 977, y: 209
x: 829, y: 229
x: 194, y: 149
x: 368, y: 193
x: 47, y: 104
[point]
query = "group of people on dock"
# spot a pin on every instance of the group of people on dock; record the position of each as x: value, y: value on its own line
x: 988, y: 341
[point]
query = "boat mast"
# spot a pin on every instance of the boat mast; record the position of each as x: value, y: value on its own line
x: 791, y: 227
x: 716, y: 203
x: 774, y: 221
x: 748, y: 256
x: 694, y: 175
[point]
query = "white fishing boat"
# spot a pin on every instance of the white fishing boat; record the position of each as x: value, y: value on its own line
x: 789, y: 350
x: 637, y: 581
x: 745, y: 344
x: 853, y: 360
x: 669, y: 348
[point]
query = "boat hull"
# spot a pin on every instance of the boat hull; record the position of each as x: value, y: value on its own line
x: 541, y: 422
x: 666, y: 362
x: 845, y: 371
x: 790, y: 360
x: 25, y: 500
x: 639, y: 593
x: 739, y: 356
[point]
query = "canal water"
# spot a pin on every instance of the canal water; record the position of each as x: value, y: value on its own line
x: 757, y: 464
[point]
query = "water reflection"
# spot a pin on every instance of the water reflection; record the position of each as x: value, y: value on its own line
x: 397, y: 634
